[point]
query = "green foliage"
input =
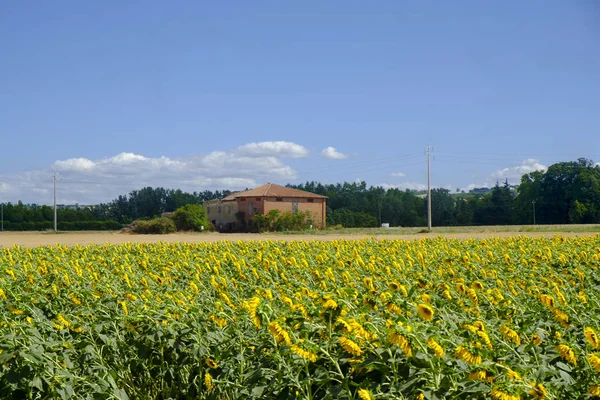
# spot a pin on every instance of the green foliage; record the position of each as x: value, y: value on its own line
x: 276, y: 221
x: 63, y: 226
x: 191, y: 217
x: 567, y: 192
x: 160, y: 225
x: 351, y: 219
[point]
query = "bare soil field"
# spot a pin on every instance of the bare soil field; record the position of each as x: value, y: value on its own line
x: 33, y: 239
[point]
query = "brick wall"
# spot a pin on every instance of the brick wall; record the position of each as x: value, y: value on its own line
x: 317, y: 208
x: 223, y: 219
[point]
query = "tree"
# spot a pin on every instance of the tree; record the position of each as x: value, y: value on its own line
x: 191, y: 217
x: 566, y: 192
x: 442, y: 207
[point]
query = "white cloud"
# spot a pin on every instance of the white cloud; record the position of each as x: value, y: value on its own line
x: 513, y: 174
x: 398, y: 174
x: 331, y: 152
x: 275, y: 149
x: 472, y: 186
x: 87, y: 181
x: 404, y: 186
x: 74, y: 164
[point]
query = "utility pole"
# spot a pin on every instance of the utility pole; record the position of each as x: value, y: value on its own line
x: 533, y: 204
x: 2, y: 215
x: 428, y: 151
x: 55, y: 202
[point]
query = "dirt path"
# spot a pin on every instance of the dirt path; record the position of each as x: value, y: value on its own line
x: 32, y: 239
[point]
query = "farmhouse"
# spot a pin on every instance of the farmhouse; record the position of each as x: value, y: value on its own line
x: 235, y: 211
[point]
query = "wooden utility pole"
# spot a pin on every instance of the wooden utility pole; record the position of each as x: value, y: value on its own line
x: 55, y: 203
x: 428, y: 151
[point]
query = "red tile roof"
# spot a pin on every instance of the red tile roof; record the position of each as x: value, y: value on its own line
x: 273, y: 190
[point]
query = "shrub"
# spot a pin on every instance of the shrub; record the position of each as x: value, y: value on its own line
x: 191, y: 217
x: 155, y: 226
x: 275, y: 220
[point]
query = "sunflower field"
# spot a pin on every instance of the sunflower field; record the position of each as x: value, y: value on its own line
x: 505, y: 319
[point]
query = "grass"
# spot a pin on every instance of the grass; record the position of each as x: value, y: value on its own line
x: 450, y: 229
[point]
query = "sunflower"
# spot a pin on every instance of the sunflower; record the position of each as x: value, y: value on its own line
x: 513, y: 375
x: 279, y: 333
x: 435, y: 346
x: 509, y: 334
x: 211, y: 363
x: 330, y: 304
x: 208, y: 381
x: 479, y: 325
x: 303, y: 353
x: 468, y: 357
x: 538, y: 391
x: 500, y: 395
x: 481, y: 375
x: 350, y: 346
x: 592, y: 338
x: 547, y: 300
x: 394, y: 309
x: 561, y: 317
x: 364, y: 394
x: 567, y: 353
x: 425, y: 298
x: 401, y: 341
x: 220, y: 322
x: 425, y: 311
x: 594, y: 360
x: 594, y: 391
x: 486, y: 339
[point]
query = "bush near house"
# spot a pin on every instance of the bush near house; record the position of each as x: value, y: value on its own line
x: 191, y: 217
x: 277, y: 221
x: 160, y: 225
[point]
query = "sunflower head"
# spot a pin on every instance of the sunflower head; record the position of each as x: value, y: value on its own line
x: 425, y: 311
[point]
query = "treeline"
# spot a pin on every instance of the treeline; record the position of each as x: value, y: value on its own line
x: 567, y: 192
x: 151, y: 202
x: 145, y: 203
x: 33, y: 217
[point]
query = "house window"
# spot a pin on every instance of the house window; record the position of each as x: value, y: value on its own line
x: 229, y: 210
x: 242, y: 199
x: 295, y: 207
x: 208, y: 210
x: 258, y: 199
x: 310, y: 200
x: 279, y: 199
x: 219, y: 210
x: 251, y: 208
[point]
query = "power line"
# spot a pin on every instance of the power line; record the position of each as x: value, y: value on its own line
x: 354, y: 170
x: 392, y: 160
x: 531, y: 155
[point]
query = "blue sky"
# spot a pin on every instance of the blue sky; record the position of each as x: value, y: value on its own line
x: 212, y: 95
